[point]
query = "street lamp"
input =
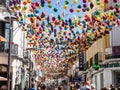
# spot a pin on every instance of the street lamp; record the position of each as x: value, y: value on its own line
x: 9, y: 18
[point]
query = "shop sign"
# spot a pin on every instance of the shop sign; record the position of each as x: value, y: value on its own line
x: 110, y: 65
x: 81, y: 61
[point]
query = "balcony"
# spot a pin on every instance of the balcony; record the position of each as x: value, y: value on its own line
x: 4, y: 47
x: 3, y: 3
x: 112, y: 53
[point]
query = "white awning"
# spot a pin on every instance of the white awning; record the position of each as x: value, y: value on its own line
x: 3, y: 78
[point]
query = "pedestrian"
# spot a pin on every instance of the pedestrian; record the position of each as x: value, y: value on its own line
x: 112, y: 87
x: 118, y: 88
x: 92, y: 87
x: 32, y: 87
x: 59, y: 88
x: 87, y: 86
x: 104, y: 88
x: 3, y: 87
x: 38, y: 87
x: 77, y: 86
x: 43, y: 87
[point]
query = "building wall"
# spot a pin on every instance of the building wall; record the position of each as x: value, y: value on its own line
x: 102, y: 82
x: 114, y: 36
x: 18, y: 38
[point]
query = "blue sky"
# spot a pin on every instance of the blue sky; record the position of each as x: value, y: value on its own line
x: 50, y: 11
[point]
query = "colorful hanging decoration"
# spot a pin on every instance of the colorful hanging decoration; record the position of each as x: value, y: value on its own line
x: 58, y: 29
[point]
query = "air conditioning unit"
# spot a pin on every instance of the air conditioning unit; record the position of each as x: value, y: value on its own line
x: 108, y: 51
x: 25, y: 54
x: 14, y: 49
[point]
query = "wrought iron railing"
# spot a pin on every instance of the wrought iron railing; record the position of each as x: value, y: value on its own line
x: 3, y: 3
x: 112, y: 56
x: 3, y: 47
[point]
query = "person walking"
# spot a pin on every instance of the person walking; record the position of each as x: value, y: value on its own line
x: 3, y: 87
x: 87, y: 86
x: 32, y: 87
x: 92, y: 87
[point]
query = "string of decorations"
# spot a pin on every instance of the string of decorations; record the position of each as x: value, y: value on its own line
x: 51, y: 23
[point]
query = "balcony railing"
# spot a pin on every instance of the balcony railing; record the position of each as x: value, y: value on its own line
x: 3, y: 3
x: 112, y: 56
x: 113, y: 52
x: 4, y: 47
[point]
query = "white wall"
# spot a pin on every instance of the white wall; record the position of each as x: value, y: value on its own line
x: 16, y: 71
x: 18, y: 38
x: 114, y: 36
x: 107, y: 79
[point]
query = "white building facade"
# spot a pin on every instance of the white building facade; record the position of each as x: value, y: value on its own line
x: 19, y: 60
x: 110, y: 73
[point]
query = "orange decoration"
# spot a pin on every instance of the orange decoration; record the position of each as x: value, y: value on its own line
x: 49, y: 1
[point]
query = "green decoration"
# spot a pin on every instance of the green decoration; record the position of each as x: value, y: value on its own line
x: 55, y: 9
x: 79, y: 6
x: 50, y: 5
x: 88, y: 9
x: 66, y: 2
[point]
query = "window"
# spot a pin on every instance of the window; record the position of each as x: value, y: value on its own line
x: 101, y: 80
x: 4, y: 31
x: 100, y: 45
x: 96, y: 81
x: 2, y: 2
x: 2, y: 28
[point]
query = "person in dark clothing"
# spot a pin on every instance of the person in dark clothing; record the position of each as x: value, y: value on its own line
x: 43, y: 87
x: 38, y: 87
x: 59, y: 88
x: 104, y: 88
x: 32, y: 87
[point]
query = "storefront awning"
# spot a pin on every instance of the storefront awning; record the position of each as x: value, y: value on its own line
x: 2, y: 39
x: 3, y: 78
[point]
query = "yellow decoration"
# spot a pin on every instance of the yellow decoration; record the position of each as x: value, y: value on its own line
x: 75, y: 1
x: 28, y: 1
x: 102, y: 14
x: 109, y: 14
x: 67, y: 26
x: 34, y: 18
x: 78, y: 10
x: 42, y: 19
x: 89, y: 0
x: 102, y: 6
x: 47, y: 37
x: 65, y: 7
x: 39, y: 7
x: 46, y: 31
x: 98, y: 18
